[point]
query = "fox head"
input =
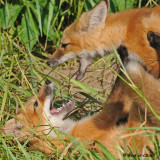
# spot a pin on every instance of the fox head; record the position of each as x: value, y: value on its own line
x: 82, y: 39
x: 38, y: 112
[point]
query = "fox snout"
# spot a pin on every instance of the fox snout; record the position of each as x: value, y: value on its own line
x: 53, y: 62
x: 48, y: 88
x: 55, y: 59
x: 48, y: 82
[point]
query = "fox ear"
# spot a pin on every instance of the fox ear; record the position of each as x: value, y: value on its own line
x: 97, y: 15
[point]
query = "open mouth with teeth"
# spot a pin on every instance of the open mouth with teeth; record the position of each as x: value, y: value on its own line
x: 77, y: 75
x: 57, y: 107
x: 84, y: 62
x: 83, y: 65
x: 65, y: 107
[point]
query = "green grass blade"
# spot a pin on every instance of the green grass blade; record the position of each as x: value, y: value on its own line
x: 6, y: 91
x: 7, y: 11
x: 23, y: 150
x: 48, y: 77
x: 119, y: 59
x: 8, y: 150
x: 27, y: 93
x: 50, y: 16
x: 88, y: 89
x: 1, y: 56
x: 32, y: 73
x: 85, y: 87
x: 130, y: 83
x: 90, y: 98
x: 139, y: 3
x: 106, y: 154
x: 39, y: 16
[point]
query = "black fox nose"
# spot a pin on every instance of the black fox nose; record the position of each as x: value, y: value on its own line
x: 48, y: 82
x: 48, y: 63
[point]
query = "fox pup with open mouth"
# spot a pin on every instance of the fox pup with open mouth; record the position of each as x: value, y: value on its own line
x: 96, y: 33
x: 40, y: 112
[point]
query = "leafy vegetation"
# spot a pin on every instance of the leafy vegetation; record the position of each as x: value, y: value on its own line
x: 29, y: 29
x: 34, y: 21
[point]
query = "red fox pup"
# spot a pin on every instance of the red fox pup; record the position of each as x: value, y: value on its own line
x: 96, y: 33
x: 41, y: 112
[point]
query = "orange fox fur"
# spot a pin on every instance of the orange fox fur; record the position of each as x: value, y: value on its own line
x: 96, y: 127
x: 96, y: 33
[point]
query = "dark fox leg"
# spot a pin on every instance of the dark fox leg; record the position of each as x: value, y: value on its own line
x: 120, y: 102
x: 118, y: 95
x: 118, y: 99
x: 123, y: 53
x: 154, y: 40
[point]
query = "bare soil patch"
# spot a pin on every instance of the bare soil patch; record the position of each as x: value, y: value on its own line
x: 98, y: 75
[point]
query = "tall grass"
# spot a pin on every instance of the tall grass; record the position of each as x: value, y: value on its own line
x: 30, y: 29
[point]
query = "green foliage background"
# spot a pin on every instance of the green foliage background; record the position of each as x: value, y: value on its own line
x: 35, y: 21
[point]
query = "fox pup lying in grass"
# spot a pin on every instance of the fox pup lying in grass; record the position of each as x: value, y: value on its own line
x: 96, y: 33
x: 40, y: 115
x: 40, y: 111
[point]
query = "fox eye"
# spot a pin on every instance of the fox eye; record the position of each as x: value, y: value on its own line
x: 64, y: 45
x: 36, y: 104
